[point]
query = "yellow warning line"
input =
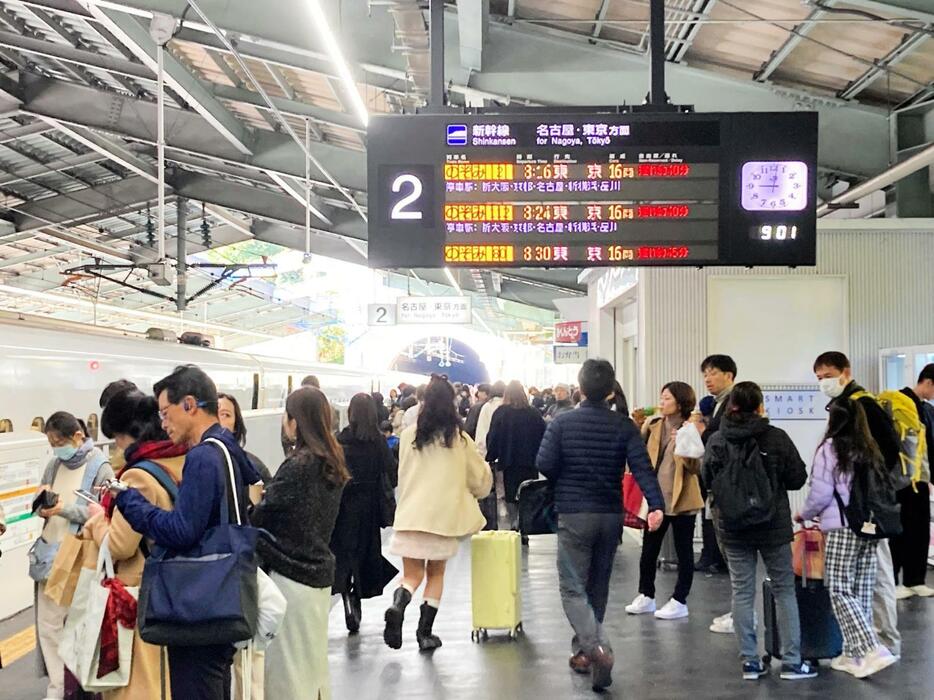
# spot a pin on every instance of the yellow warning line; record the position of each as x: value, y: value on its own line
x: 17, y: 492
x: 16, y: 647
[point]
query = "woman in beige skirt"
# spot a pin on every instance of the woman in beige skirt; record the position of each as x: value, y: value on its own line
x: 441, y: 476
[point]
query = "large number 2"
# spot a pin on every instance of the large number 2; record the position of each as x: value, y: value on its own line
x: 399, y: 210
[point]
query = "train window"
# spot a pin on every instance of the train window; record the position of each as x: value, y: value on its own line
x: 94, y: 425
x: 38, y: 424
x: 255, y: 391
x: 6, y: 425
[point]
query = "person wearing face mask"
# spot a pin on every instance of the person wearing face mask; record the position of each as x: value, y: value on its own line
x: 154, y: 468
x: 835, y: 379
x: 77, y: 464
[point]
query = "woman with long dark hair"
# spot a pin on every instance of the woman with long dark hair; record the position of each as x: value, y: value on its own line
x: 512, y: 444
x: 441, y: 476
x: 77, y: 464
x: 299, y: 508
x: 847, y: 453
x: 361, y: 570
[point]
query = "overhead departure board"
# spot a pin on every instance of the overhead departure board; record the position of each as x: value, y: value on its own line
x: 592, y: 189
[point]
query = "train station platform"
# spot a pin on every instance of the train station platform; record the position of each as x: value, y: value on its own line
x: 655, y: 660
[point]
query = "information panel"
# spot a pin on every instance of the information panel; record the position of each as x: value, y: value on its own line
x: 592, y: 189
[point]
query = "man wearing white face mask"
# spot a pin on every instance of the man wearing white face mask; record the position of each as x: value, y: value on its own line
x: 835, y: 379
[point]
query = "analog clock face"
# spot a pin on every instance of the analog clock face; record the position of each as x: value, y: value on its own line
x: 775, y: 185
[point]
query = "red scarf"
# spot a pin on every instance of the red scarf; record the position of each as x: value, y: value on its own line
x: 121, y: 608
x: 143, y: 452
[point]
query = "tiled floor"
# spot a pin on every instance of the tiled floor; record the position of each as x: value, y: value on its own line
x: 655, y: 660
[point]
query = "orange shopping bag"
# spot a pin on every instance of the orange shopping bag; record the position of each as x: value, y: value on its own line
x: 807, y: 553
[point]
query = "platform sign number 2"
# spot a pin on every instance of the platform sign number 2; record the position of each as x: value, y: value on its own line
x: 407, y: 196
x: 381, y: 314
x: 410, y: 187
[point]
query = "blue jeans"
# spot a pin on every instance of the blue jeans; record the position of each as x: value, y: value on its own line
x: 743, y: 562
x: 587, y: 544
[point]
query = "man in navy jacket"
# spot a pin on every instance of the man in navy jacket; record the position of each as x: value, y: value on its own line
x: 583, y: 454
x: 188, y: 408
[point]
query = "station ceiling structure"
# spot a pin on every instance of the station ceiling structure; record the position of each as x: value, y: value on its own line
x: 245, y: 79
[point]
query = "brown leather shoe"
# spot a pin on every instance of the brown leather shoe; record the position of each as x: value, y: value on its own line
x: 602, y: 668
x: 580, y: 663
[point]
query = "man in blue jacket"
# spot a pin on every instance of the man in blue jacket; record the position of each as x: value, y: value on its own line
x: 188, y: 408
x: 583, y: 454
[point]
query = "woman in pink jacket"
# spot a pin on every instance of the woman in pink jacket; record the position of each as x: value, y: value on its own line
x: 850, y: 566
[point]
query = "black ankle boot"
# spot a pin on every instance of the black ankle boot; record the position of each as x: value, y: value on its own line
x: 395, y: 614
x: 352, y: 611
x: 426, y: 640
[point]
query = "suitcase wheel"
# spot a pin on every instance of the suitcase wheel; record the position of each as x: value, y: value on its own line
x: 514, y: 633
x: 479, y: 635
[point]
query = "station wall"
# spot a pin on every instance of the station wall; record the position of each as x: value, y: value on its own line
x: 889, y: 277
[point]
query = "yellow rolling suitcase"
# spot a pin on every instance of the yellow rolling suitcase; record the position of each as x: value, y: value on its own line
x: 495, y: 563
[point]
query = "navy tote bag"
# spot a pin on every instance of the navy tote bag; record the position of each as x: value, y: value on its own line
x: 208, y: 594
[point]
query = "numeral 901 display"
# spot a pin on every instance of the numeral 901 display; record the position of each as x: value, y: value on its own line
x: 779, y: 232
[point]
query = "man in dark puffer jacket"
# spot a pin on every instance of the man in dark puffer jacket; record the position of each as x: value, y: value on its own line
x: 583, y: 454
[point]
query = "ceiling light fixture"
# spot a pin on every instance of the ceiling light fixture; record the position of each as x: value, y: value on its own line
x: 337, y: 58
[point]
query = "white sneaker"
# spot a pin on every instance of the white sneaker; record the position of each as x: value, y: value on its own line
x: 723, y: 624
x: 876, y: 660
x: 922, y: 591
x: 903, y: 593
x: 641, y: 605
x: 673, y: 610
x: 846, y: 664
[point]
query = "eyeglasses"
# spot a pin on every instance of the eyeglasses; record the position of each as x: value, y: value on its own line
x: 442, y: 377
x: 199, y: 404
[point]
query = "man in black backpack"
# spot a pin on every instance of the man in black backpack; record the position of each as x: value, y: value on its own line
x: 748, y: 469
x: 835, y: 379
x: 910, y: 549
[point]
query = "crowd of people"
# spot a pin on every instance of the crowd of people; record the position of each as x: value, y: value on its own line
x: 442, y: 461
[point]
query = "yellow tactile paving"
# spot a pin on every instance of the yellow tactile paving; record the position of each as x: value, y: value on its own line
x: 16, y: 647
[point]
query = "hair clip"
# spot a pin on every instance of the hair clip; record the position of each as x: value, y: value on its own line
x: 442, y: 377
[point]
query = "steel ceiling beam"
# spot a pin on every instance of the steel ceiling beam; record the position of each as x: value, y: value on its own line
x: 133, y: 119
x: 38, y: 170
x: 694, y: 24
x: 136, y: 38
x: 909, y: 44
x: 797, y: 35
x: 473, y: 21
x: 913, y: 9
x: 91, y: 204
x: 32, y: 257
x: 19, y: 132
x: 601, y: 17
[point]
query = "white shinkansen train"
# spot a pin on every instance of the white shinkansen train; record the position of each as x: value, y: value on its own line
x: 44, y: 369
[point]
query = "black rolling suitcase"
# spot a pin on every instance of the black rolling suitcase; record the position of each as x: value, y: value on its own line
x: 820, y: 633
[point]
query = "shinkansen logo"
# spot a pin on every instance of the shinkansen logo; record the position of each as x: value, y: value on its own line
x: 457, y: 134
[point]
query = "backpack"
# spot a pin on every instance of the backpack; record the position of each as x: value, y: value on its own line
x: 743, y: 491
x: 873, y: 512
x: 911, y: 433
x: 161, y: 476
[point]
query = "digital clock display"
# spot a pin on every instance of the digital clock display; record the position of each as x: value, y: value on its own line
x: 543, y: 188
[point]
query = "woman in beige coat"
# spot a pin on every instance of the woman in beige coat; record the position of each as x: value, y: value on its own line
x: 152, y: 464
x: 678, y: 478
x: 441, y: 476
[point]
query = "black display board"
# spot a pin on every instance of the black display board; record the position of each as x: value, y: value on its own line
x: 592, y: 189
